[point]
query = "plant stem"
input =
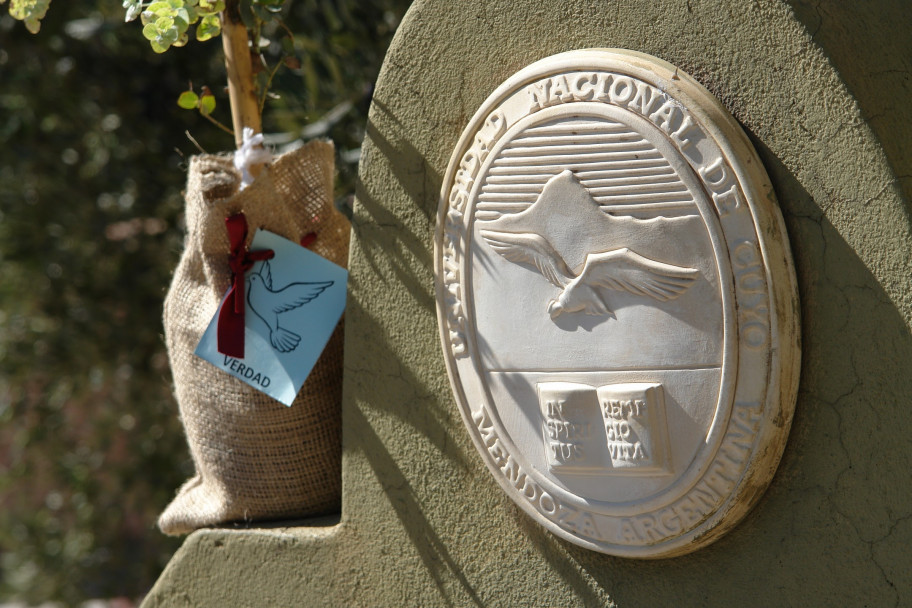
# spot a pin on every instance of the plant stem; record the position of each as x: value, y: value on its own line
x: 262, y: 102
x: 218, y: 124
x: 245, y: 111
x: 195, y: 143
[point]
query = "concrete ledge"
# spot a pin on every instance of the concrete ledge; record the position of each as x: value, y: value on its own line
x: 242, y: 566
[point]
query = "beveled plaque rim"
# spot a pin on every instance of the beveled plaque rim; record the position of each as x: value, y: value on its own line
x: 784, y: 345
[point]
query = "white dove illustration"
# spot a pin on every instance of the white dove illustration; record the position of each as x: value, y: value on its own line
x: 619, y: 269
x: 268, y: 304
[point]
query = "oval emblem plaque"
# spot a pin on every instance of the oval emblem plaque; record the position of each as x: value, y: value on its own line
x: 617, y: 303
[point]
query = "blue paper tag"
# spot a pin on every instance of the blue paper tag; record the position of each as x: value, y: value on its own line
x: 293, y: 303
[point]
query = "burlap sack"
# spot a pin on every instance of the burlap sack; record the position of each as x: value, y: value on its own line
x: 255, y: 458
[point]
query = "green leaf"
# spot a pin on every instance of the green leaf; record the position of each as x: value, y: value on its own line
x: 246, y: 10
x: 207, y: 104
x: 269, y: 6
x: 262, y: 13
x: 168, y: 38
x: 212, y: 6
x: 158, y: 47
x: 182, y: 20
x: 150, y: 32
x: 30, y: 12
x: 209, y: 27
x: 188, y: 100
x: 168, y: 31
x: 193, y: 15
x: 33, y: 25
x: 273, y: 7
x: 157, y: 7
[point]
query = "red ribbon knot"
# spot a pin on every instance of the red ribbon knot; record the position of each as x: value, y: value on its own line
x: 230, y: 331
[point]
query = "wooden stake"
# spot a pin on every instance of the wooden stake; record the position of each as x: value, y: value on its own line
x: 245, y: 110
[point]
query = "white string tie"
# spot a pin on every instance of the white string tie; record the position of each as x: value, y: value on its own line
x: 250, y: 153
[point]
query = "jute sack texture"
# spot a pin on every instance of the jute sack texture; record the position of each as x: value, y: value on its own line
x: 255, y: 458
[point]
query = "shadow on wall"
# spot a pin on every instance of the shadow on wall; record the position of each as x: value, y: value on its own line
x: 406, y: 390
x: 435, y: 555
x: 876, y: 68
x: 389, y: 245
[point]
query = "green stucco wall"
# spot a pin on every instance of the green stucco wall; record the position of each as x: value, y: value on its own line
x: 823, y: 89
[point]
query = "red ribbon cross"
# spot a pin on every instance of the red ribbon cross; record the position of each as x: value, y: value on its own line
x: 230, y: 331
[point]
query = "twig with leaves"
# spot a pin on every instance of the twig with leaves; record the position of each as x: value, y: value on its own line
x: 169, y: 23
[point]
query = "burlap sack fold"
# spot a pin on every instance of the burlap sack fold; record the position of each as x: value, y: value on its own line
x: 255, y: 458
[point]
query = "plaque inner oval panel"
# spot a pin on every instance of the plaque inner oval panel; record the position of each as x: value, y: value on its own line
x: 592, y: 178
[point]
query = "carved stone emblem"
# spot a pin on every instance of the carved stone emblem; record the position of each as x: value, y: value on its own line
x: 617, y: 304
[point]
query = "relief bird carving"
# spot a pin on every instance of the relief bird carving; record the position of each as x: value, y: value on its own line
x: 268, y: 304
x: 618, y: 269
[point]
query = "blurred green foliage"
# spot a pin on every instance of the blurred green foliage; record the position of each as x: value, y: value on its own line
x: 92, y: 159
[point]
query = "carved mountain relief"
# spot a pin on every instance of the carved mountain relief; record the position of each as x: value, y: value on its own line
x: 585, y: 288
